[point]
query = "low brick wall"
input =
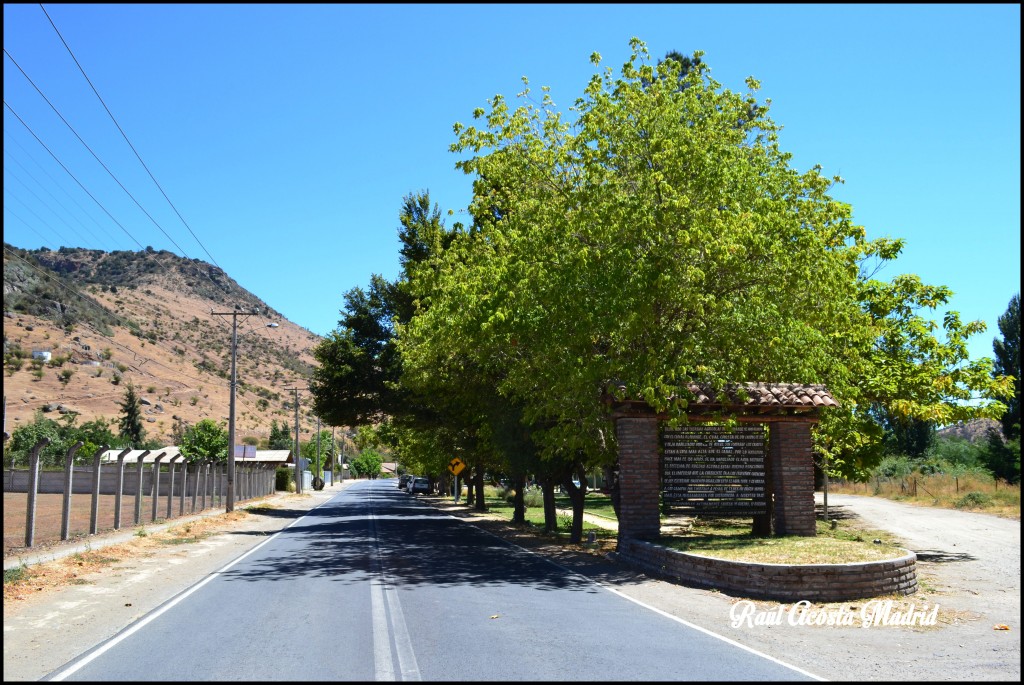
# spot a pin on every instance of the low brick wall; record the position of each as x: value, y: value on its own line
x: 780, y: 582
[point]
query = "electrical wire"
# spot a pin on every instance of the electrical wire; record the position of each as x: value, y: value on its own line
x: 125, y: 136
x: 93, y: 153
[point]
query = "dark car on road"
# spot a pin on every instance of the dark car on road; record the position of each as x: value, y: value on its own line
x: 403, y: 481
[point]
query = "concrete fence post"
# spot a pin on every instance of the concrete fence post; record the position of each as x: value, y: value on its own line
x: 97, y: 471
x: 195, y: 486
x: 138, y: 487
x: 170, y: 487
x: 33, y: 486
x: 69, y: 465
x: 184, y: 488
x: 119, y: 493
x: 156, y: 481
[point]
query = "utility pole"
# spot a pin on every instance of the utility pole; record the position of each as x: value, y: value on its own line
x: 230, y: 489
x: 298, y: 456
x: 315, y: 487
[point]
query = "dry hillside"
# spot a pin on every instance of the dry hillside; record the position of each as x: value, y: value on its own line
x: 148, y: 323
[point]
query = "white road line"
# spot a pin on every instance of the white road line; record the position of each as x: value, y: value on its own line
x: 384, y: 592
x: 171, y: 603
x: 654, y: 609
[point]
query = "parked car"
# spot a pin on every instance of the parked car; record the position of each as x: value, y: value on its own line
x: 403, y: 481
x: 420, y: 485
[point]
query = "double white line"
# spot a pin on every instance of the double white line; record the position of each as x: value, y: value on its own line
x: 384, y: 603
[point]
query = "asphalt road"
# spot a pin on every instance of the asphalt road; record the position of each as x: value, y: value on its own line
x: 374, y: 584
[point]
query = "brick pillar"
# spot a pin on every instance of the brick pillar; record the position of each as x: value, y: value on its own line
x: 639, y: 476
x: 792, y: 476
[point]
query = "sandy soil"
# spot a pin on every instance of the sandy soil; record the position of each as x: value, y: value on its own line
x: 969, y: 567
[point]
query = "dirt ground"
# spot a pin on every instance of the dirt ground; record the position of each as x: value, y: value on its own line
x: 969, y: 566
x: 50, y: 509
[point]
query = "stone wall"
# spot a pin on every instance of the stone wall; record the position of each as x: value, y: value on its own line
x: 811, y: 582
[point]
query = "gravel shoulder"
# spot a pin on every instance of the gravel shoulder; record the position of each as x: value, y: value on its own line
x: 969, y: 566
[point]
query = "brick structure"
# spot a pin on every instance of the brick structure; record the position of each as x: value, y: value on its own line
x: 792, y: 477
x: 780, y: 582
x: 639, y: 475
x: 789, y: 409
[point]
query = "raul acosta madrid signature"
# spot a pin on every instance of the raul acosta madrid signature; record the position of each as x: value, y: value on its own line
x: 872, y: 613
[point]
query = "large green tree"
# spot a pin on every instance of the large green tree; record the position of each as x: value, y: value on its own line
x: 1007, y: 363
x: 660, y: 239
x: 207, y: 440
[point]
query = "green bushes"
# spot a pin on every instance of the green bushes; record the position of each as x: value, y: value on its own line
x: 284, y: 480
x: 973, y: 500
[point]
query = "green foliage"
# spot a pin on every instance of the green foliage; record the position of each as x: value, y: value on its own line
x: 284, y: 479
x: 1002, y: 458
x: 25, y: 437
x: 973, y: 500
x: 326, y: 452
x: 63, y: 434
x: 130, y: 425
x: 367, y: 464
x: 1007, y: 363
x: 280, y: 437
x: 955, y: 451
x: 907, y: 435
x: 206, y: 440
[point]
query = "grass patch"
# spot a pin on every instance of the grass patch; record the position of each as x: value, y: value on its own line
x: 731, y: 539
x: 13, y: 575
x: 535, y: 517
x: 181, y: 540
x: 261, y: 508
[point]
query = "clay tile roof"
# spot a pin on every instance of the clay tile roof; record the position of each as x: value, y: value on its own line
x: 766, y: 394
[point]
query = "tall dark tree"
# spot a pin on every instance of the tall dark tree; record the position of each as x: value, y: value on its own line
x: 130, y: 425
x: 280, y: 437
x: 356, y: 381
x: 1007, y: 363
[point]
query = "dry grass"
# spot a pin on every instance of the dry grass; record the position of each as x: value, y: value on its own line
x: 24, y: 582
x: 966, y: 493
x: 731, y: 539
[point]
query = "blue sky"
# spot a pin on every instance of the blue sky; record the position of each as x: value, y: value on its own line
x: 287, y: 135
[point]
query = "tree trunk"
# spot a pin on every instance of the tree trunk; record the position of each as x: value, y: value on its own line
x: 518, y: 505
x: 470, y: 499
x: 478, y: 478
x: 576, y: 496
x: 550, y: 515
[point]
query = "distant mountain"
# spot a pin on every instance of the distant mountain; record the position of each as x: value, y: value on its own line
x: 975, y: 430
x: 110, y: 318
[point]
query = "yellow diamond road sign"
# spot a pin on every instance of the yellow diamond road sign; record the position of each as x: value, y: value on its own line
x: 456, y: 466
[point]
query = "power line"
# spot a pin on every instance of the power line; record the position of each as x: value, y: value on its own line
x: 8, y: 172
x: 59, y: 185
x: 125, y: 136
x: 80, y: 185
x: 27, y: 127
x: 95, y: 156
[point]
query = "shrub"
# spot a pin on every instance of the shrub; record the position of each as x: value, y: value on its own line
x: 533, y: 498
x: 973, y: 500
x: 284, y: 480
